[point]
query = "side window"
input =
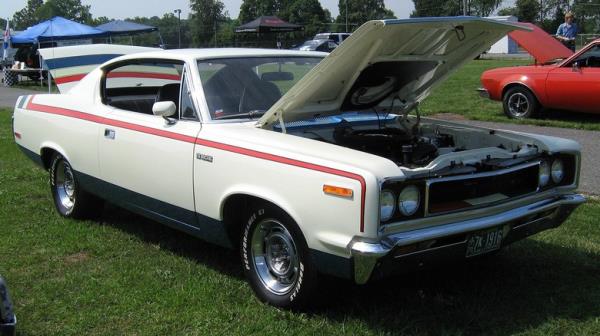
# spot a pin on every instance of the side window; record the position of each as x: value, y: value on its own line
x: 188, y: 111
x: 135, y: 86
x: 590, y: 58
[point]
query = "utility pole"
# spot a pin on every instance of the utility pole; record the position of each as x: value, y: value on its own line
x: 465, y: 7
x: 178, y: 11
x: 347, y: 16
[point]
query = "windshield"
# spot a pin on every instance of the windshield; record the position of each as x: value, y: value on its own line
x: 245, y: 88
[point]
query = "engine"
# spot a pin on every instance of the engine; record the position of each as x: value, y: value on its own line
x: 404, y: 147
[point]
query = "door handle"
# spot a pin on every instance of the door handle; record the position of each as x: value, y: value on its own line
x: 109, y: 133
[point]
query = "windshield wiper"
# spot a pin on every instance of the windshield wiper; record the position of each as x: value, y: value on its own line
x: 250, y: 114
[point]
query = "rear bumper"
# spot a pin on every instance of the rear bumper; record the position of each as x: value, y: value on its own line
x: 401, y: 251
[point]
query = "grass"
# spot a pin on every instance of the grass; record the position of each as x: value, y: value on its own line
x: 127, y: 275
x: 458, y: 96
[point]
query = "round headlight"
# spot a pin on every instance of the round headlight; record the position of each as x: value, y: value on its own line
x: 387, y: 205
x: 409, y: 200
x: 544, y: 176
x: 558, y: 171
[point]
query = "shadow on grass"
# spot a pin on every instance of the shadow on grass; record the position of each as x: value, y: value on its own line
x: 523, y: 287
x: 569, y: 116
x: 221, y: 259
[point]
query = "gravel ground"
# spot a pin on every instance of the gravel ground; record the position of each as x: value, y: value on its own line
x: 589, y: 140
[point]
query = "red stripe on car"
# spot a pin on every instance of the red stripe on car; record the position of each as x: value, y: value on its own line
x: 128, y: 74
x: 208, y: 143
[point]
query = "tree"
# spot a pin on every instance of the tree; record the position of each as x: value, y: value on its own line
x: 27, y: 16
x: 528, y: 10
x: 206, y: 16
x: 361, y: 11
x: 482, y: 7
x: 454, y: 7
x: 69, y: 9
x: 252, y: 9
x: 308, y: 13
x: 167, y: 26
x: 508, y: 11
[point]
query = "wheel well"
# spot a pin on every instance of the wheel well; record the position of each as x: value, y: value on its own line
x: 235, y: 209
x: 512, y: 85
x: 46, y: 155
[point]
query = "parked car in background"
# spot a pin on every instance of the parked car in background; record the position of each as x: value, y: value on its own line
x: 336, y: 37
x: 308, y: 163
x: 317, y: 45
x: 558, y: 80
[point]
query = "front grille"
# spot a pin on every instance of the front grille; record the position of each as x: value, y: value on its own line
x: 463, y: 192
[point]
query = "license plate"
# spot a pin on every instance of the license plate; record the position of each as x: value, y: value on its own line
x: 484, y: 241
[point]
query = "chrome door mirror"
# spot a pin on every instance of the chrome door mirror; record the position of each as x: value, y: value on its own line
x: 164, y: 109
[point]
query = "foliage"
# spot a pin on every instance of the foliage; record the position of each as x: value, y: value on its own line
x: 361, y: 11
x: 587, y: 15
x: 37, y: 10
x: 453, y: 7
x: 205, y: 18
x: 308, y: 13
x: 27, y: 16
x: 528, y: 10
x: 69, y: 9
x: 252, y: 9
x: 168, y: 28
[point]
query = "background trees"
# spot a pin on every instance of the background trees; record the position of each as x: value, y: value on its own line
x: 361, y: 11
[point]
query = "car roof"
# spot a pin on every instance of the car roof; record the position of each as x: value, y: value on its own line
x: 193, y: 54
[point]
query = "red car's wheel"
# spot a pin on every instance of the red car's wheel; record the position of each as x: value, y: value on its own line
x: 520, y: 103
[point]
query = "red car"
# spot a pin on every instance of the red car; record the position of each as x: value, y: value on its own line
x: 558, y: 80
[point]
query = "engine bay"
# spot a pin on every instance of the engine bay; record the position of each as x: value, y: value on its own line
x: 410, y: 142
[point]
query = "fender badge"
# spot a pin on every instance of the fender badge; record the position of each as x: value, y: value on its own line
x: 204, y: 157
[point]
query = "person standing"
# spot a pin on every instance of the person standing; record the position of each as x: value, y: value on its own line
x: 567, y: 31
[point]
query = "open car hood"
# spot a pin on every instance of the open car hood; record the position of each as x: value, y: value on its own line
x: 387, y: 63
x: 541, y: 45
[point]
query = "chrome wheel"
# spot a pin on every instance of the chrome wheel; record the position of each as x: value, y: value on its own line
x: 275, y: 257
x: 64, y: 182
x: 518, y: 104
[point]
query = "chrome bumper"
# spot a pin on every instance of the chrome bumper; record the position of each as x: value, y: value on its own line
x: 483, y: 93
x: 366, y: 254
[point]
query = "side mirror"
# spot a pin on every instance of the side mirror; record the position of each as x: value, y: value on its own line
x: 165, y: 109
x: 575, y: 66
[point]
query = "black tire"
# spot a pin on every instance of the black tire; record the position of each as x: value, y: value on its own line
x: 268, y: 234
x: 70, y: 199
x: 520, y: 103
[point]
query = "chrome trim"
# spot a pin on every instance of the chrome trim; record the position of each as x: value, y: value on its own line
x: 483, y: 93
x: 366, y: 253
x: 505, y: 171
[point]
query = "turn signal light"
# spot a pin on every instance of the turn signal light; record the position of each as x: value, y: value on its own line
x: 338, y: 191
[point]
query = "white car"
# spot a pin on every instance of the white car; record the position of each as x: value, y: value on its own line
x: 308, y: 163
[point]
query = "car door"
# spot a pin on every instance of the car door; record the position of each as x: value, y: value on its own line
x: 576, y: 84
x: 147, y: 160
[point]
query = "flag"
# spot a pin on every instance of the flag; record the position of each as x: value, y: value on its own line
x: 6, y: 40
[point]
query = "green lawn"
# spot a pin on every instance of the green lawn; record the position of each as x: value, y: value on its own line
x: 127, y: 275
x: 458, y: 96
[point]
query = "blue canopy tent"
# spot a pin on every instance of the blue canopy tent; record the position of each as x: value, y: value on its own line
x: 118, y: 27
x: 122, y: 27
x: 54, y: 29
